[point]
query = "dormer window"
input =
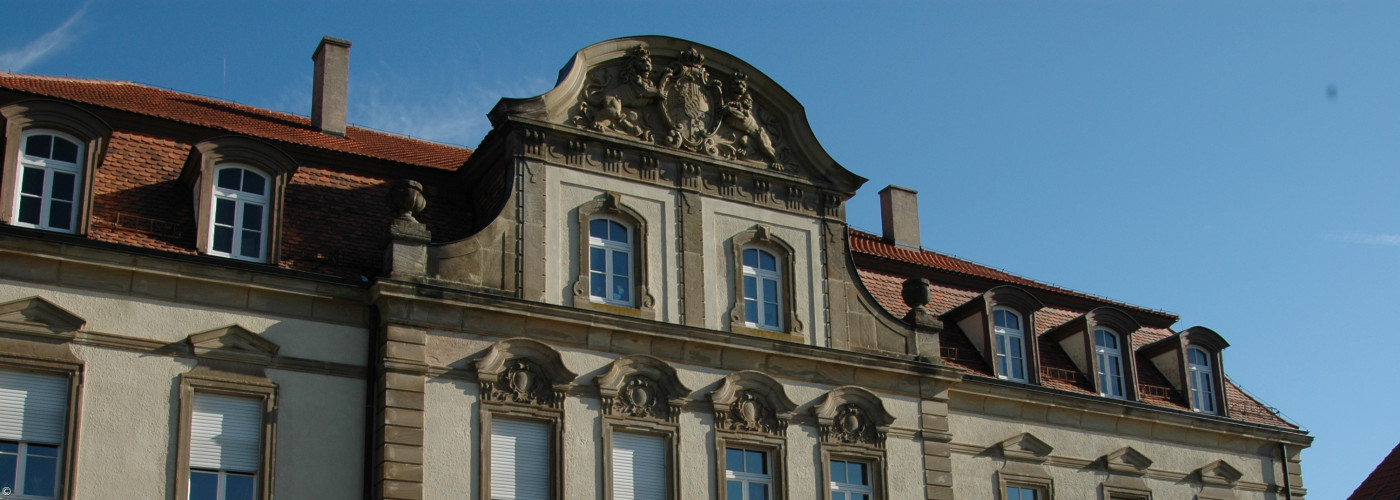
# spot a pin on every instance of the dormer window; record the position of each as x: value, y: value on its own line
x: 240, y: 211
x: 50, y: 167
x: 1109, y: 352
x: 1010, y: 344
x: 610, y: 261
x: 762, y: 290
x: 1202, y: 380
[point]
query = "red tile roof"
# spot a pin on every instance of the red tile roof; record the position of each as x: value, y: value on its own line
x: 238, y: 119
x: 959, y: 352
x: 1384, y: 482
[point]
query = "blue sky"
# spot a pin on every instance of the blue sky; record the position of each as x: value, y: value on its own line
x: 1186, y: 156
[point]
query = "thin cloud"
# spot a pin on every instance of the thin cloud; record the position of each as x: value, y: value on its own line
x: 1390, y: 240
x: 49, y: 43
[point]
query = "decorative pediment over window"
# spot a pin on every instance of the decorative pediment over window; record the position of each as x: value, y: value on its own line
x: 642, y: 386
x: 523, y: 371
x: 1219, y: 473
x: 851, y: 415
x: 749, y: 401
x: 1025, y: 447
x: 37, y: 316
x: 233, y: 343
x: 1127, y: 461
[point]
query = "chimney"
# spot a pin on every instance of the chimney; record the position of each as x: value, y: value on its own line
x: 899, y: 214
x: 328, y: 90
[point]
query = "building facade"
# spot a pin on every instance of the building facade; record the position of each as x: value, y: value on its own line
x: 640, y: 285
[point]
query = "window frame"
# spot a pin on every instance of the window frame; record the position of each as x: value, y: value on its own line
x: 609, y: 205
x: 240, y: 199
x: 834, y: 412
x: 722, y: 464
x: 89, y: 132
x: 1102, y: 354
x: 46, y: 197
x: 43, y: 332
x: 200, y: 174
x: 1020, y: 334
x: 760, y: 237
x: 670, y: 442
x: 761, y: 278
x: 67, y: 449
x: 1043, y: 486
x: 1211, y: 388
x: 868, y: 490
x: 555, y: 436
x: 205, y: 381
x: 767, y: 397
x: 610, y: 248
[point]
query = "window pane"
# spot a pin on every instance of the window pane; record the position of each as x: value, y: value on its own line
x: 597, y: 260
x: 758, y: 491
x: 9, y: 447
x: 252, y: 217
x: 770, y: 291
x: 250, y: 245
x: 598, y: 285
x: 254, y: 183
x: 733, y: 459
x: 751, y: 258
x: 62, y: 188
x: 230, y: 178
x: 770, y: 314
x: 33, y: 181
x: 61, y: 214
x: 755, y: 462
x: 766, y: 261
x: 238, y: 487
x: 65, y: 150
x: 224, y: 211
x: 855, y: 473
x: 38, y: 145
x: 204, y: 485
x: 750, y: 311
x: 838, y: 471
x: 836, y: 495
x: 750, y: 288
x: 40, y: 475
x: 8, y: 468
x: 1015, y: 346
x: 42, y: 450
x: 29, y: 210
x: 622, y: 289
x: 598, y: 228
x: 620, y: 263
x: 223, y: 239
x: 735, y: 490
x: 619, y: 232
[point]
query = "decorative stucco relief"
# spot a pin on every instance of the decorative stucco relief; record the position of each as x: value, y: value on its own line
x: 523, y: 372
x: 851, y: 415
x: 686, y: 106
x: 642, y: 386
x: 749, y: 401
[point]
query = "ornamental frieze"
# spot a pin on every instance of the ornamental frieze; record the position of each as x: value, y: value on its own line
x: 685, y: 106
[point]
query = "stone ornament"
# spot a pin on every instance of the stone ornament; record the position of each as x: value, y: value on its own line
x: 683, y: 107
x: 1025, y: 447
x: 852, y: 415
x: 750, y: 401
x: 642, y: 386
x: 523, y: 372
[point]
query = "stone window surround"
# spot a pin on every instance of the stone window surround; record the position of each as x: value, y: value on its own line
x: 772, y: 397
x: 198, y: 174
x: 228, y: 383
x: 610, y: 204
x: 867, y: 447
x: 659, y: 415
x: 36, y: 336
x: 761, y: 236
x: 74, y: 373
x: 504, y: 393
x: 40, y: 114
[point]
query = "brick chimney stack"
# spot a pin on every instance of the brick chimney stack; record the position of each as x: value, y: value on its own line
x: 328, y: 91
x: 899, y: 216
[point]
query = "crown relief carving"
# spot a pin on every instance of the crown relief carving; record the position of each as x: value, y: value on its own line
x: 684, y: 107
x: 642, y: 386
x: 851, y: 415
x: 523, y: 371
x: 750, y: 401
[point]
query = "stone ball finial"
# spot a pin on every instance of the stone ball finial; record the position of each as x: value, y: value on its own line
x: 917, y: 292
x: 406, y: 198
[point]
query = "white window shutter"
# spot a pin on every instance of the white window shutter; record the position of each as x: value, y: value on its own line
x: 225, y: 433
x: 519, y: 460
x: 638, y: 466
x: 32, y: 407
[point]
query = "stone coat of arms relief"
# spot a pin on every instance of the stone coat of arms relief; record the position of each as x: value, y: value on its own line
x: 684, y: 107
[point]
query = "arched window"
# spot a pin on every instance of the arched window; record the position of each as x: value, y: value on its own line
x: 1202, y: 380
x: 51, y: 169
x: 1011, y: 344
x: 610, y: 253
x: 240, y: 207
x: 763, y: 289
x: 1109, y: 351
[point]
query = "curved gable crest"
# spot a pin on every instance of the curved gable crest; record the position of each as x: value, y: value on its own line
x: 852, y: 415
x: 751, y: 401
x: 642, y: 386
x: 523, y: 371
x: 681, y: 96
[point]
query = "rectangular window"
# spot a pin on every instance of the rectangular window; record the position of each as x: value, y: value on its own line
x: 33, y: 411
x: 225, y: 447
x: 519, y: 464
x: 1022, y: 493
x: 850, y: 480
x: 638, y: 466
x: 747, y: 475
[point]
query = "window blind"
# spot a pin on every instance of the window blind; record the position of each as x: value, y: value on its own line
x: 638, y: 466
x: 225, y: 433
x: 519, y: 460
x: 32, y: 407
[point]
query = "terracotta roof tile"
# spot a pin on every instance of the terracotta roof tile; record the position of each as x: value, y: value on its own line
x: 238, y: 118
x: 1384, y: 481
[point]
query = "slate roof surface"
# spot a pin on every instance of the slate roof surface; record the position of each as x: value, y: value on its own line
x: 1384, y: 481
x: 238, y: 118
x: 959, y: 352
